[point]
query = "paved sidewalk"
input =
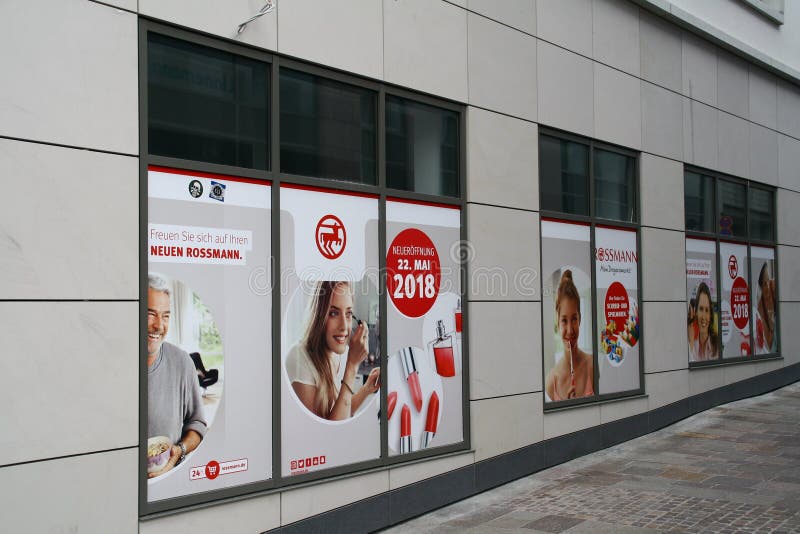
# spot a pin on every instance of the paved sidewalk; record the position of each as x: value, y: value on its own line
x: 734, y: 468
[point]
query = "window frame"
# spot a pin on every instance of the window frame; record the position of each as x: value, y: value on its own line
x: 593, y: 222
x: 275, y: 177
x: 718, y: 178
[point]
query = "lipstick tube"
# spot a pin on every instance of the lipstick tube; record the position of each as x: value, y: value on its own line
x: 391, y: 402
x: 405, y: 430
x: 431, y: 422
x: 412, y: 376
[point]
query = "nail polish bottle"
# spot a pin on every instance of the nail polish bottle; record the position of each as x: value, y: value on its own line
x: 458, y: 317
x: 443, y: 351
x: 412, y: 376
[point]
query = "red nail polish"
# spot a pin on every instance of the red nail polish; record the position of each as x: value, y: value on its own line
x: 391, y: 402
x: 431, y: 422
x: 412, y: 376
x: 405, y: 430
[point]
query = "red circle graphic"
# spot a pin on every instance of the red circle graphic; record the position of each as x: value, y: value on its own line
x: 212, y: 469
x: 740, y: 303
x: 733, y: 266
x: 331, y: 236
x: 413, y: 272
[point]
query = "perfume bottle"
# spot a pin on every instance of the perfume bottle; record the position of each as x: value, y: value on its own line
x: 443, y: 351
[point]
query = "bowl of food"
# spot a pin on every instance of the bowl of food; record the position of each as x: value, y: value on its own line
x: 158, y: 449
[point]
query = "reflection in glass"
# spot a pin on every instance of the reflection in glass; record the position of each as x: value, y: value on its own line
x: 328, y: 128
x: 421, y: 148
x: 206, y: 105
x: 732, y: 210
x: 698, y: 192
x: 761, y: 209
x: 564, y: 174
x: 614, y: 189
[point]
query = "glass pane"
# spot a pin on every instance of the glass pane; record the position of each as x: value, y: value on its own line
x: 207, y: 105
x: 734, y: 270
x: 567, y: 310
x: 702, y: 315
x: 732, y: 209
x: 764, y: 300
x: 698, y: 198
x: 761, y: 209
x: 421, y: 148
x: 328, y: 128
x: 564, y: 175
x: 614, y: 186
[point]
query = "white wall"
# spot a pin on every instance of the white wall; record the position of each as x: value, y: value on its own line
x: 602, y: 68
x: 737, y: 19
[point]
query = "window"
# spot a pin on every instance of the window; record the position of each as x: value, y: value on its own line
x: 699, y: 202
x: 207, y: 105
x: 590, y: 275
x: 421, y: 148
x: 730, y: 269
x: 274, y: 412
x: 567, y: 179
x: 328, y: 128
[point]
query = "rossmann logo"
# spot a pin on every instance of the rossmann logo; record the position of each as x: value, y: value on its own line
x: 305, y: 463
x: 619, y: 256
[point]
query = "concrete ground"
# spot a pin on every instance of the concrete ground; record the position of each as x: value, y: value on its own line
x: 734, y: 468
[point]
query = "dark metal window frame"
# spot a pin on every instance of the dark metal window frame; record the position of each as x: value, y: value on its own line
x: 593, y: 222
x: 717, y: 238
x: 278, y: 482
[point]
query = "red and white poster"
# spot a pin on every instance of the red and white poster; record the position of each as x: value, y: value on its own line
x: 764, y: 299
x: 702, y: 309
x: 735, y: 306
x: 567, y: 317
x: 330, y: 344
x: 209, y: 342
x: 616, y: 275
x: 425, y: 366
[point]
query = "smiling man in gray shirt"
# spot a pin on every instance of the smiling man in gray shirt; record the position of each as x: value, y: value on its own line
x: 175, y: 407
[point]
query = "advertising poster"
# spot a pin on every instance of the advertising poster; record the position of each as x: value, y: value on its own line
x: 330, y: 345
x: 702, y: 316
x: 424, y: 326
x: 567, y: 310
x: 208, y: 333
x: 735, y: 306
x: 619, y: 328
x: 765, y: 300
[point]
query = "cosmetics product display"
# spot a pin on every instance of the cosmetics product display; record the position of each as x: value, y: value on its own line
x: 431, y: 421
x: 405, y: 430
x: 443, y: 351
x: 412, y: 376
x: 391, y: 402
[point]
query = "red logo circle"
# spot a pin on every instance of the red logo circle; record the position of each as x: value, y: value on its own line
x: 740, y: 303
x: 331, y: 237
x: 212, y: 469
x: 733, y: 266
x: 413, y: 272
x: 616, y: 306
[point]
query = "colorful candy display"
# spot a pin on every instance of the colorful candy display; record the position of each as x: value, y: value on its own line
x: 614, y: 343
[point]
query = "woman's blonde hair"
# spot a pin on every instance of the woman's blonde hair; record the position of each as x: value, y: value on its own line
x: 316, y: 345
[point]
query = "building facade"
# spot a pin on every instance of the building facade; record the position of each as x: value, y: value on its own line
x: 605, y: 190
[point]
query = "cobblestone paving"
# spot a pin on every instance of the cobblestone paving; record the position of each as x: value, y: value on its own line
x: 734, y: 468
